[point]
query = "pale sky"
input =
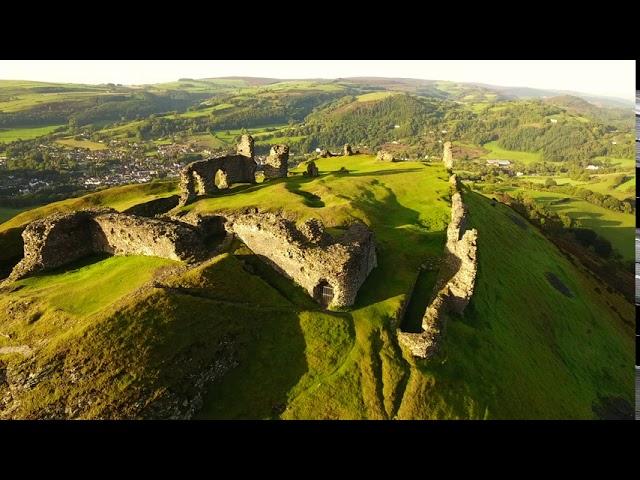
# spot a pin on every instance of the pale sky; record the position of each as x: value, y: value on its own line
x: 599, y: 77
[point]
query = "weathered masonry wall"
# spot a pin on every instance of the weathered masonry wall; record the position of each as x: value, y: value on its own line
x: 217, y: 173
x: 447, y: 156
x: 455, y: 285
x: 276, y: 164
x: 63, y: 238
x: 309, y: 255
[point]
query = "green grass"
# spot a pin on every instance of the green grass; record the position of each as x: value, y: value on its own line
x: 626, y: 163
x: 70, y: 142
x: 7, y: 213
x: 374, y: 96
x: 119, y: 198
x: 7, y: 136
x: 524, y: 350
x: 498, y: 153
x: 617, y: 227
x: 92, y: 286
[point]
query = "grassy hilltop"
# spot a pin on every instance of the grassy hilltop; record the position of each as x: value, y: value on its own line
x: 524, y: 349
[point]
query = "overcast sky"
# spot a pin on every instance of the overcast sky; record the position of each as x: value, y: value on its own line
x: 599, y: 77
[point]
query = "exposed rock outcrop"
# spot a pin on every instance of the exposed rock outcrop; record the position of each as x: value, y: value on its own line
x: 62, y: 238
x: 330, y: 270
x: 346, y: 150
x: 384, y: 156
x: 277, y: 163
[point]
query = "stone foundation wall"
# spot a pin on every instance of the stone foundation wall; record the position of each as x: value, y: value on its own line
x: 309, y: 255
x: 119, y: 234
x: 455, y: 284
x: 60, y: 239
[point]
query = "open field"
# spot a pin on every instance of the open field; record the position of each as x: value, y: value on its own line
x: 617, y: 227
x: 7, y: 136
x: 599, y: 183
x: 374, y: 96
x: 72, y: 143
x: 498, y: 153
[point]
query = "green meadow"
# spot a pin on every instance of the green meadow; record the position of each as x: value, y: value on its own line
x: 498, y: 153
x: 7, y: 136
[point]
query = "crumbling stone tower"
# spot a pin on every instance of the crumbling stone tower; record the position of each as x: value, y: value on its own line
x: 447, y: 156
x: 277, y: 163
x: 245, y: 146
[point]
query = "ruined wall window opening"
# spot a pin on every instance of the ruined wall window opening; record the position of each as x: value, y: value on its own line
x: 220, y: 180
x: 324, y: 293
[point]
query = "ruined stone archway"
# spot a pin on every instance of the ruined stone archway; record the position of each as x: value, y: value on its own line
x: 324, y: 293
x: 220, y: 180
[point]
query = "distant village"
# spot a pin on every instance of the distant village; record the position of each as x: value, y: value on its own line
x: 118, y: 164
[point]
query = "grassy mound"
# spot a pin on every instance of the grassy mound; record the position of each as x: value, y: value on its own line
x: 523, y: 349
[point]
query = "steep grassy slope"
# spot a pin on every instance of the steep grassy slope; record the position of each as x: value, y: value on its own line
x: 524, y: 349
x: 119, y: 198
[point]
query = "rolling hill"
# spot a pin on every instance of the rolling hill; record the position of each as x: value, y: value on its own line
x: 139, y: 337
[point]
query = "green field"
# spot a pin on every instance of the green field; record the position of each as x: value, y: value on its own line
x: 522, y: 350
x: 626, y: 163
x: 70, y: 142
x: 599, y: 183
x: 498, y: 153
x: 617, y: 227
x: 374, y: 96
x: 7, y: 136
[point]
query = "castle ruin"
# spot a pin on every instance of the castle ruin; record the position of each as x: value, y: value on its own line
x: 276, y: 164
x: 204, y: 177
x: 62, y: 238
x: 330, y: 270
x: 455, y: 283
x: 447, y: 156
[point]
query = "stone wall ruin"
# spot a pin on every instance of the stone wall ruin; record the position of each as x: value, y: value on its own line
x: 455, y: 284
x: 62, y: 238
x: 447, y: 156
x: 276, y: 165
x: 330, y: 270
x: 204, y: 177
x: 384, y: 156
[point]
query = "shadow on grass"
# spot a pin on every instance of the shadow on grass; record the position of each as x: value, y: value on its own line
x: 309, y: 199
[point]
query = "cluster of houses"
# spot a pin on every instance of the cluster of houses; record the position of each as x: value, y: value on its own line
x: 118, y: 164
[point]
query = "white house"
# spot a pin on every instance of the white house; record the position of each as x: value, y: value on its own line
x: 592, y: 167
x: 553, y: 120
x: 500, y: 163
